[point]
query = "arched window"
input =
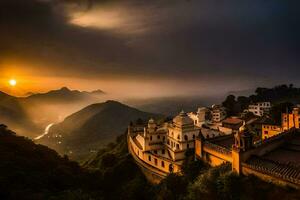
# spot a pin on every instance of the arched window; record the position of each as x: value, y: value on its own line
x: 186, y: 138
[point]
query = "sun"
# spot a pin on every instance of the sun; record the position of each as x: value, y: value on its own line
x: 12, y: 82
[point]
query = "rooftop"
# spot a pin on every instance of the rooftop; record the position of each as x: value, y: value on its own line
x: 232, y: 120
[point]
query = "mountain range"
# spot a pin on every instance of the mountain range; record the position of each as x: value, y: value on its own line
x: 30, y: 115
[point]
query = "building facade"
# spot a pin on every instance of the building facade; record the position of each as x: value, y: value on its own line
x: 199, y: 117
x: 276, y: 159
x: 260, y: 108
x: 218, y: 113
x: 291, y: 120
x: 161, y: 149
x: 270, y: 130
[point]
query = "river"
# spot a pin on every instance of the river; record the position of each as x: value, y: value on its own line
x: 45, y: 132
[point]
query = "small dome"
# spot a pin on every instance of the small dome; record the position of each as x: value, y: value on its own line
x: 183, y: 119
x: 151, y: 124
x: 151, y: 121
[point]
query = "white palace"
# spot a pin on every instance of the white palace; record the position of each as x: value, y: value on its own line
x: 162, y: 148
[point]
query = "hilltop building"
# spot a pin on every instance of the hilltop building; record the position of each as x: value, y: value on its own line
x: 291, y: 120
x: 218, y: 113
x: 288, y: 121
x: 161, y: 149
x: 260, y: 108
x: 199, y: 117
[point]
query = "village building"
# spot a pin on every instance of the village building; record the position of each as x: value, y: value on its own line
x: 260, y: 108
x: 231, y: 125
x: 270, y: 130
x: 291, y: 120
x: 288, y: 121
x: 218, y: 113
x: 199, y: 117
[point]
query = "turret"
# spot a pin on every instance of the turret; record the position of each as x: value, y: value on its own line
x: 151, y: 125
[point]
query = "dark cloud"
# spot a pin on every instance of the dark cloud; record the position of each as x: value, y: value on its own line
x: 204, y: 40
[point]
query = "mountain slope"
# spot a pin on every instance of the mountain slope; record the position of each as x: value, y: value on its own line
x: 93, y: 126
x: 13, y: 113
x: 30, y: 115
x: 30, y: 171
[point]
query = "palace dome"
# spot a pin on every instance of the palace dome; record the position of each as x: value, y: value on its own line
x: 182, y: 119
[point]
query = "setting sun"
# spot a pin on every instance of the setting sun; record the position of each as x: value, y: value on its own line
x: 12, y: 82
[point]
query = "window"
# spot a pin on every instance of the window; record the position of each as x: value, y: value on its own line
x: 151, y: 137
x: 168, y: 142
x: 186, y: 138
x: 193, y: 136
x: 196, y: 121
x: 171, y: 168
x: 164, y: 138
x: 158, y: 136
x: 163, y: 151
x: 162, y: 163
x: 155, y: 161
x: 155, y: 151
x: 177, y: 146
x: 178, y: 137
x: 188, y: 146
x: 266, y: 132
x: 149, y: 158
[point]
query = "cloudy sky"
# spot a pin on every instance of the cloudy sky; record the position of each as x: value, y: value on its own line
x: 149, y: 47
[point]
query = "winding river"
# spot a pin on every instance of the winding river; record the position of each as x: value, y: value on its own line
x: 45, y: 132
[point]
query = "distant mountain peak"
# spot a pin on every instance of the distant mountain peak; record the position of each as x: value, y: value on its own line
x: 98, y: 91
x: 65, y: 89
x: 3, y: 94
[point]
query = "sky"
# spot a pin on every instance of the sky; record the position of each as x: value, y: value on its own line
x: 148, y: 48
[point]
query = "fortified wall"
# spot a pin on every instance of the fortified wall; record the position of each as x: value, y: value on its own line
x: 261, y: 160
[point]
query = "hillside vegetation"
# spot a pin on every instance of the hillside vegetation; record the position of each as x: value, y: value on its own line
x: 92, y: 127
x: 282, y: 96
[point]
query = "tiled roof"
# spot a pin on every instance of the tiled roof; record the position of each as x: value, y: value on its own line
x: 232, y: 120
